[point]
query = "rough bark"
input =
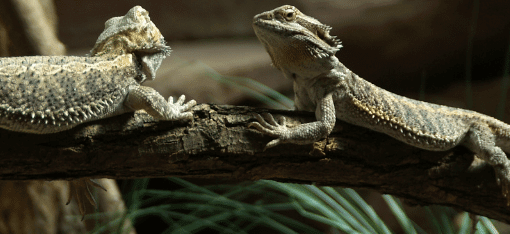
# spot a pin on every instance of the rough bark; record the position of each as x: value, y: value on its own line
x: 217, y: 144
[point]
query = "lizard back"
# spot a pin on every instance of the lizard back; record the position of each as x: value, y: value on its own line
x: 302, y: 48
x: 44, y: 94
x: 421, y: 124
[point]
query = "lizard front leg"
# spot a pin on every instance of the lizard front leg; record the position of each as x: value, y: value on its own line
x: 140, y: 97
x: 148, y: 99
x: 303, y: 133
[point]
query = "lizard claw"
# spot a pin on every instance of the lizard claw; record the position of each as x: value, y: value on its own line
x: 179, y: 110
x: 79, y: 188
x: 272, y: 128
x: 179, y: 103
x: 273, y: 123
x: 272, y: 143
x: 262, y: 125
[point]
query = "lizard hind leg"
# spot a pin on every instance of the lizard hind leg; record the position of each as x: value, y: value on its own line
x: 482, y: 141
x: 79, y: 188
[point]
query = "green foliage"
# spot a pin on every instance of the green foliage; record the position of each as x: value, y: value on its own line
x: 243, y: 207
x: 246, y: 207
x: 217, y: 207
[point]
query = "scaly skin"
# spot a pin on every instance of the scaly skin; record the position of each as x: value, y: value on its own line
x: 48, y: 94
x: 301, y: 47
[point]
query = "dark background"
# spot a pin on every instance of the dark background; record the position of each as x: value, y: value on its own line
x: 420, y: 49
x: 406, y: 47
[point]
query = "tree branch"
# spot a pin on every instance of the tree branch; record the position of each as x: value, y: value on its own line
x: 219, y: 145
x: 29, y: 27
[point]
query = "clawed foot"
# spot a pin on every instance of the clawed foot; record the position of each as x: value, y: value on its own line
x: 179, y: 110
x: 503, y: 180
x: 79, y: 188
x: 272, y: 128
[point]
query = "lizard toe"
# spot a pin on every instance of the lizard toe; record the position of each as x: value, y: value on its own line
x: 186, y: 116
x: 273, y: 143
x: 181, y: 99
x: 189, y: 105
x: 264, y: 123
x: 270, y: 119
x: 503, y: 180
x: 261, y: 128
x: 282, y: 120
x: 80, y: 188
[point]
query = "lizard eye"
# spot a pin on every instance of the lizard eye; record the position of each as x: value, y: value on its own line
x: 290, y: 15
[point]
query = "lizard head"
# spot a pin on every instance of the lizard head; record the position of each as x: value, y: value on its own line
x: 133, y: 33
x: 285, y: 31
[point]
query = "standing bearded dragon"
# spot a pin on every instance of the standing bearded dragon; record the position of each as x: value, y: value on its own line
x: 48, y: 94
x: 301, y: 47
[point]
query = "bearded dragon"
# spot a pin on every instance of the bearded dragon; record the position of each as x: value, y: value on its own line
x: 48, y: 94
x: 303, y: 49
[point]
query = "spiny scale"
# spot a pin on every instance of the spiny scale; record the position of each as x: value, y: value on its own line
x: 58, y: 80
x: 43, y: 94
x: 324, y: 85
